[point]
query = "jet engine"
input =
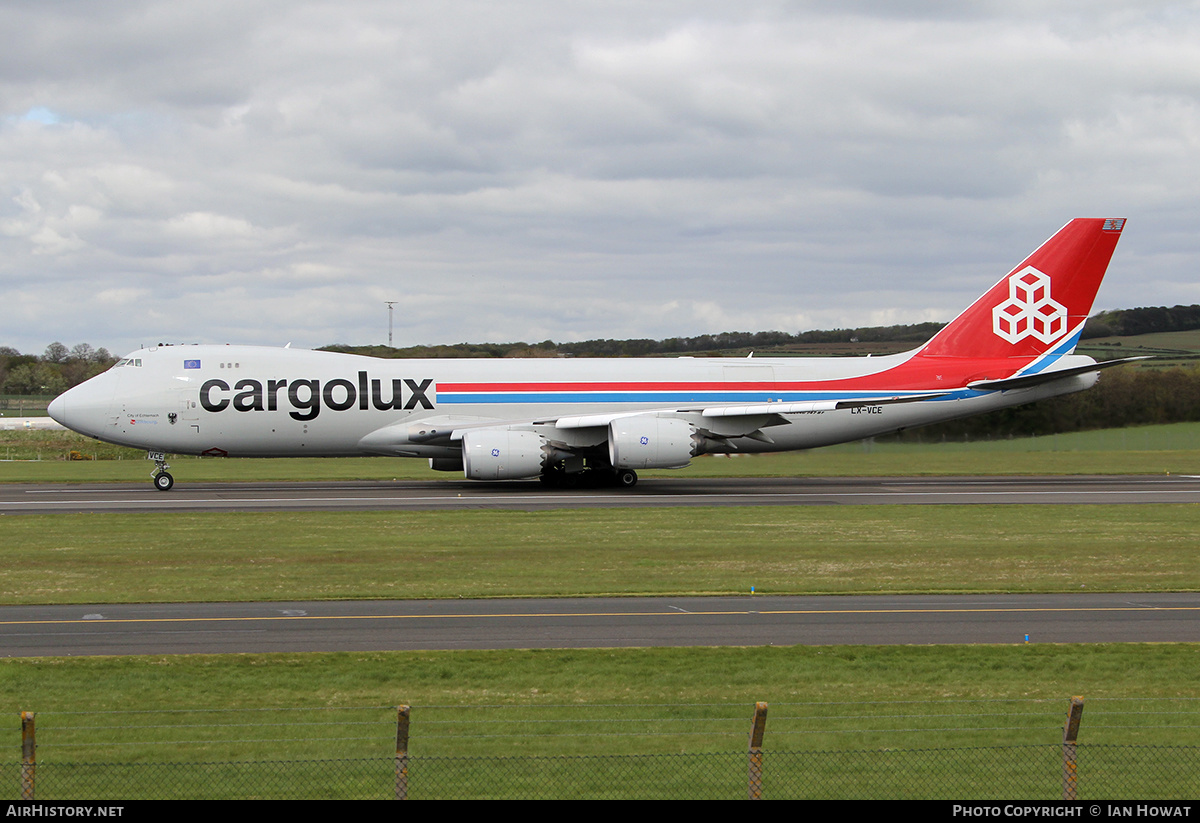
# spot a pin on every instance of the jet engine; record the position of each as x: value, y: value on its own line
x: 648, y: 442
x: 503, y: 454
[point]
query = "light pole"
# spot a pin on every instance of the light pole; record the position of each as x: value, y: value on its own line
x: 390, y: 303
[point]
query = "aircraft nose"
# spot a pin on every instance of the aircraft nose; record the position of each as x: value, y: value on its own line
x: 58, y: 409
x: 84, y: 408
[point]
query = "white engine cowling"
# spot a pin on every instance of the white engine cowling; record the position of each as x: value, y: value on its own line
x: 648, y: 442
x: 502, y: 454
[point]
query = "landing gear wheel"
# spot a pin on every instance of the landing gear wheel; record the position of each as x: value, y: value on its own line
x: 626, y: 478
x: 163, y: 482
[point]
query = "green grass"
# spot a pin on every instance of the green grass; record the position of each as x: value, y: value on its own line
x: 589, y: 552
x: 479, y: 703
x: 910, y: 721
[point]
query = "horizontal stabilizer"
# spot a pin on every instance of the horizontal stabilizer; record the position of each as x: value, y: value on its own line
x: 1028, y: 380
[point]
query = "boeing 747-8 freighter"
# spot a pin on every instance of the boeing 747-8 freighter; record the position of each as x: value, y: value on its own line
x: 558, y: 418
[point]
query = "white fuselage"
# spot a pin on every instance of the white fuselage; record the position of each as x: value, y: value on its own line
x: 251, y: 401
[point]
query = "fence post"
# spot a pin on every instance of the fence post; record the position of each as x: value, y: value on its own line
x: 1070, y: 739
x: 756, y: 740
x: 28, y: 755
x: 402, y: 753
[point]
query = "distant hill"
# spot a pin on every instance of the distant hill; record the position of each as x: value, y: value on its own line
x: 1149, y: 320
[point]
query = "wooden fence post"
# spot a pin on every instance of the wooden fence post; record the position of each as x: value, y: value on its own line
x: 402, y: 753
x: 1070, y: 739
x: 28, y: 755
x: 756, y: 741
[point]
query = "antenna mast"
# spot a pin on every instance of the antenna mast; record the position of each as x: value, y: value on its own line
x: 390, y: 303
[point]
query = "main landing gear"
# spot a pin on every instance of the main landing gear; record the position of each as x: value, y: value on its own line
x: 163, y: 481
x: 556, y: 478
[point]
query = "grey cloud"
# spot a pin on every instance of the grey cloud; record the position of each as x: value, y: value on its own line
x: 273, y: 172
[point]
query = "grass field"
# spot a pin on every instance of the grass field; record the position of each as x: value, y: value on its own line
x: 102, y: 558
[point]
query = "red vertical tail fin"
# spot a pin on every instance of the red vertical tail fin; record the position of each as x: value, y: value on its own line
x: 1039, y: 306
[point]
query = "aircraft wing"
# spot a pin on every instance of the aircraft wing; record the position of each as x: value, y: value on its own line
x: 399, y: 439
x: 818, y: 405
x: 729, y: 413
x: 583, y: 431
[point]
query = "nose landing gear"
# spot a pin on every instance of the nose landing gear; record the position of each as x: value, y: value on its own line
x: 163, y: 481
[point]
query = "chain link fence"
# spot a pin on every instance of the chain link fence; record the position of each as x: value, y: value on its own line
x: 952, y: 750
x: 1001, y: 773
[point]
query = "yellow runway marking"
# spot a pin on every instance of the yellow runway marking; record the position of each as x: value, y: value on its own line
x: 501, y: 615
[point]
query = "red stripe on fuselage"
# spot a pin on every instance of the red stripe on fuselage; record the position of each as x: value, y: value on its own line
x: 918, y: 373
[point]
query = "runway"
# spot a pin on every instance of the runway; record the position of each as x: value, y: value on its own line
x: 650, y: 492
x: 159, y: 629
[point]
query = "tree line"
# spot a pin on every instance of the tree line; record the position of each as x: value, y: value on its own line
x: 645, y: 347
x: 1118, y: 323
x: 54, y: 371
x: 1121, y: 322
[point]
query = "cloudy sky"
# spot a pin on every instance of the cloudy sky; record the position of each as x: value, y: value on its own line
x: 274, y: 171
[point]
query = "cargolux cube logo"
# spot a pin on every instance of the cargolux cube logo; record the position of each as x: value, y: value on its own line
x: 1029, y: 310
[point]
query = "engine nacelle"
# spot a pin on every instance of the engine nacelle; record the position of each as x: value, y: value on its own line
x: 648, y: 442
x: 502, y: 454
